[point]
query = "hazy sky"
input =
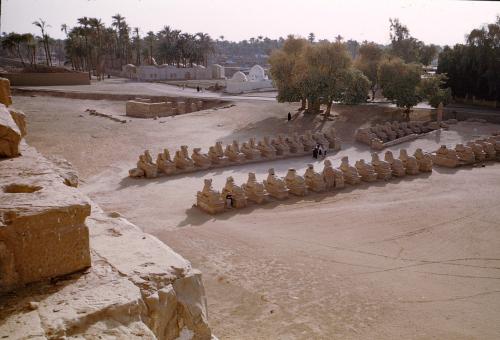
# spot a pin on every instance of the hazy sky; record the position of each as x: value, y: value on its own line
x: 432, y: 21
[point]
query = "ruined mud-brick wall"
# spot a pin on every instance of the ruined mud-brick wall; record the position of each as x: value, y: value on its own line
x: 47, y: 79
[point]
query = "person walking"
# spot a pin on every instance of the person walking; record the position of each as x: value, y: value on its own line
x: 289, y: 116
x: 315, y: 152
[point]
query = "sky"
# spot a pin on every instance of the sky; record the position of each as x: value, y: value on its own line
x: 441, y: 22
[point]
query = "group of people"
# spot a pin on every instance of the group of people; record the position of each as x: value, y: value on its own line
x: 319, y: 151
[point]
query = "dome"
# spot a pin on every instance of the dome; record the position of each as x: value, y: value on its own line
x: 239, y: 77
x: 257, y: 73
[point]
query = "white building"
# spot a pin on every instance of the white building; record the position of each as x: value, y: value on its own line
x: 170, y: 72
x: 256, y: 80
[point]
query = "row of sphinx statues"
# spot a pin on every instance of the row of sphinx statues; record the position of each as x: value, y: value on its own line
x: 376, y: 136
x: 213, y: 202
x: 478, y: 151
x: 219, y: 156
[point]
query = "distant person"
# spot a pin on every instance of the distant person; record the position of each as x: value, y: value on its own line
x: 109, y: 76
x: 197, y: 88
x: 315, y: 152
x: 320, y: 150
x: 289, y: 116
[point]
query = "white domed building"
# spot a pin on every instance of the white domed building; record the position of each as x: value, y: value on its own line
x: 256, y: 80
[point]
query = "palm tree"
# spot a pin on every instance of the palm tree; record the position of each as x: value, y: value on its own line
x: 45, y: 38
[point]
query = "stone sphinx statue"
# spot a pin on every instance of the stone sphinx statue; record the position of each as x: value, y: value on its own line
x: 281, y: 147
x: 465, y: 154
x: 295, y: 144
x: 478, y: 150
x: 496, y: 144
x: 254, y: 190
x: 233, y: 154
x: 181, y: 162
x: 274, y: 186
x: 200, y: 160
x: 489, y: 149
x: 350, y: 173
x: 380, y: 133
x: 415, y: 127
x: 314, y: 181
x: 209, y: 200
x: 397, y: 165
x: 366, y: 171
x: 307, y: 140
x: 146, y: 164
x: 320, y: 138
x: 407, y: 130
x: 266, y: 150
x: 445, y: 157
x: 165, y: 164
x: 382, y: 168
x: 424, y: 161
x: 334, y: 141
x: 390, y: 131
x: 237, y: 194
x: 185, y: 153
x: 250, y: 152
x: 409, y: 162
x: 295, y: 183
x: 216, y: 158
x: 333, y: 178
x: 219, y: 149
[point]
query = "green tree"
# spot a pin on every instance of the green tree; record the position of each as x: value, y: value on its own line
x: 428, y: 53
x: 368, y: 62
x: 403, y: 45
x: 473, y: 68
x: 399, y: 82
x: 45, y: 39
x: 355, y: 87
x: 433, y: 89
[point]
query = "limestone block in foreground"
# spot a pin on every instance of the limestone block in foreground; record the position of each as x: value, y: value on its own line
x: 42, y: 223
x: 137, y: 288
x: 10, y: 134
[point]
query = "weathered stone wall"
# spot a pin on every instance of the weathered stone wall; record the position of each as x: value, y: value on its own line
x: 137, y: 287
x: 42, y: 223
x: 47, y: 79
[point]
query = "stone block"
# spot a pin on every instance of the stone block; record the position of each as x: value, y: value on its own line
x: 42, y: 223
x: 10, y: 134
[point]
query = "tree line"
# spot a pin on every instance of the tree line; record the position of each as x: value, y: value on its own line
x: 325, y: 72
x: 473, y: 68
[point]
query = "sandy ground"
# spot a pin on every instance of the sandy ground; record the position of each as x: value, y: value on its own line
x: 415, y: 258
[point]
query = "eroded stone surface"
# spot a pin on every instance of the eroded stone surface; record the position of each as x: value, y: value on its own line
x: 10, y: 134
x: 137, y: 287
x: 42, y: 222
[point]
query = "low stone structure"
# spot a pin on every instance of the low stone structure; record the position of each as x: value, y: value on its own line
x: 142, y: 109
x: 380, y: 136
x: 265, y: 150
